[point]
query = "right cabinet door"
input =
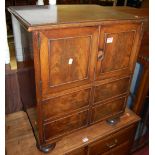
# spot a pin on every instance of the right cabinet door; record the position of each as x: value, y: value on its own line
x: 118, y: 49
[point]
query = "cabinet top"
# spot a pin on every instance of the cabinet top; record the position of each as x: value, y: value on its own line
x: 47, y: 16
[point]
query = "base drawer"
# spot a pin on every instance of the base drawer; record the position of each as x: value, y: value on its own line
x: 108, y: 109
x: 119, y: 150
x: 65, y: 125
x: 81, y: 151
x: 111, y: 142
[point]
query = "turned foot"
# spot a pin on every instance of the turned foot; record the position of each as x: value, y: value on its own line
x: 113, y: 121
x: 47, y: 148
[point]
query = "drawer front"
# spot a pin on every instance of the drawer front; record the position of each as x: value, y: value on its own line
x: 81, y: 151
x: 109, y: 143
x: 119, y: 150
x: 66, y: 103
x: 118, y: 49
x: 104, y: 110
x: 67, y: 58
x: 112, y: 89
x: 65, y: 125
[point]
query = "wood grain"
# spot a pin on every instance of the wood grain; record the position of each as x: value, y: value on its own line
x: 111, y: 89
x: 77, y: 57
x: 65, y: 14
x: 57, y: 48
x: 20, y: 139
x: 12, y: 92
x: 65, y: 104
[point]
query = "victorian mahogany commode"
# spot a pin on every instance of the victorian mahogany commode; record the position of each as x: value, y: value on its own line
x: 80, y: 70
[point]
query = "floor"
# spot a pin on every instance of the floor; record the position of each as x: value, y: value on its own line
x: 143, y: 151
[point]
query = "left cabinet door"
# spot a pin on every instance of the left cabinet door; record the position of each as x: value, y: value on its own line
x: 67, y: 58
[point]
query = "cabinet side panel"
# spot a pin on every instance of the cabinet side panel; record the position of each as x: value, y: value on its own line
x: 26, y: 75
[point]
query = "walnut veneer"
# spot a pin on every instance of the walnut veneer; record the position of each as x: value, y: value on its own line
x: 84, y: 57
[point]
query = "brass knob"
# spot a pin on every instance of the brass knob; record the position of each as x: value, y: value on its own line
x: 112, y: 145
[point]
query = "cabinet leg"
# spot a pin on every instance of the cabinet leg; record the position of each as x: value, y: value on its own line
x: 113, y: 121
x: 47, y: 148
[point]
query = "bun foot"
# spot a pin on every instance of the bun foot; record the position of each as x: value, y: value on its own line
x: 47, y: 148
x: 113, y: 121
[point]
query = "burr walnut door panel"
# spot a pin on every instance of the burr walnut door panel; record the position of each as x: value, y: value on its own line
x: 117, y: 50
x: 67, y: 58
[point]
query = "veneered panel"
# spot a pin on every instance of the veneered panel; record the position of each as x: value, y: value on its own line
x: 111, y: 89
x: 65, y: 125
x: 117, y: 50
x: 117, y: 53
x: 63, y: 104
x: 69, y: 59
x: 104, y: 110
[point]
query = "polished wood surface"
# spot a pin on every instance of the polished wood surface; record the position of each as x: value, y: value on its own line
x: 80, y: 59
x: 141, y: 12
x: 114, y: 88
x: 104, y: 145
x: 108, y: 109
x: 65, y: 14
x: 66, y: 103
x: 65, y: 125
x: 20, y: 138
x: 12, y: 92
x: 120, y: 54
x: 143, y: 53
x: 68, y: 56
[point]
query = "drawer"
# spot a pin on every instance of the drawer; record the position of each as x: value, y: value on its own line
x: 111, y: 142
x: 107, y: 109
x: 65, y: 125
x: 66, y: 103
x: 112, y: 89
x: 81, y: 151
x: 119, y: 150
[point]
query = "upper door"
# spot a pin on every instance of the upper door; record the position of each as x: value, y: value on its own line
x: 67, y: 58
x: 117, y: 49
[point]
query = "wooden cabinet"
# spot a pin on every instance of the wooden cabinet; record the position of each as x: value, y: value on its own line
x: 83, y: 64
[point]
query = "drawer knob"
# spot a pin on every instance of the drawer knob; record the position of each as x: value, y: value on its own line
x: 112, y: 145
